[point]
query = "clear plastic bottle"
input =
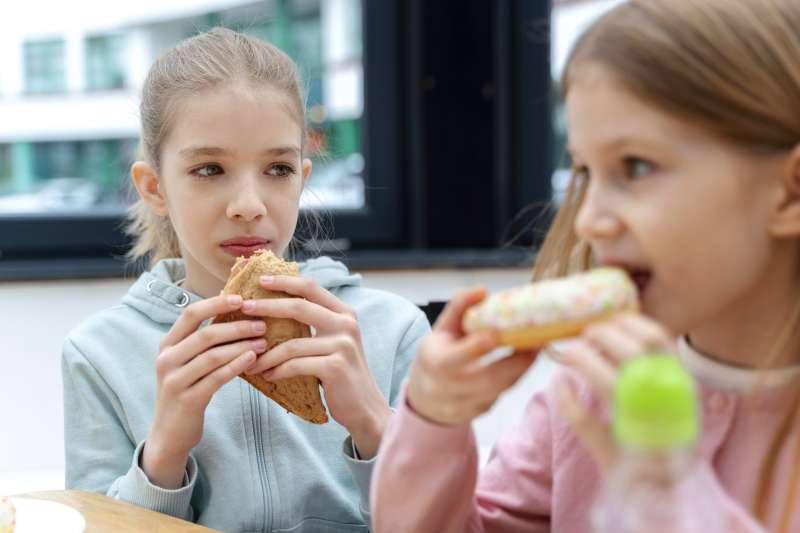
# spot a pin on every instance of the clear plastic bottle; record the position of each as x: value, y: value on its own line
x: 656, y: 421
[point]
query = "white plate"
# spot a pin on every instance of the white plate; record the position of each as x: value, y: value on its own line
x: 41, y: 516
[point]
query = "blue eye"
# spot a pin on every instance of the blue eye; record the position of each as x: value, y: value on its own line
x: 207, y: 171
x: 280, y: 170
x: 637, y: 168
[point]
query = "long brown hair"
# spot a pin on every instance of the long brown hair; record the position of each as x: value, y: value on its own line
x: 731, y: 67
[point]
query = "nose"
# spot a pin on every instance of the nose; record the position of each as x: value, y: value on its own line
x: 596, y: 218
x: 246, y: 203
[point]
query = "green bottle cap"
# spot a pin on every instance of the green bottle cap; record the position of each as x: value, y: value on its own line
x: 655, y: 403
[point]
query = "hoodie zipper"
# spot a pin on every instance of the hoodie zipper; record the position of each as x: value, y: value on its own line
x: 261, y: 461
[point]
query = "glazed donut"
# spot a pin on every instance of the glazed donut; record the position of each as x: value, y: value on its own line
x: 530, y: 316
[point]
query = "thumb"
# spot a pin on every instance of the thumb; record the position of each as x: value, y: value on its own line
x: 450, y: 318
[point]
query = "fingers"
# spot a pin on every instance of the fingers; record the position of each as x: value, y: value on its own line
x: 603, y: 347
x: 652, y: 335
x: 211, y: 383
x: 628, y: 336
x: 196, y: 314
x: 318, y: 366
x: 451, y: 316
x: 209, y: 361
x: 305, y: 288
x: 209, y: 336
x: 473, y: 345
x: 501, y: 375
x: 614, y: 343
x: 592, y: 364
x: 307, y: 312
x: 290, y: 349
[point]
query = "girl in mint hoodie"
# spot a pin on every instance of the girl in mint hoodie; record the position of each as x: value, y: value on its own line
x: 684, y: 136
x: 154, y: 412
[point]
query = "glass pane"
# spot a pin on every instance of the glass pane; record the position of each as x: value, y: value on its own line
x: 44, y: 66
x: 104, y: 62
x: 69, y: 142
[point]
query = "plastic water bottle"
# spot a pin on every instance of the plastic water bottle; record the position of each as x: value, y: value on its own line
x: 655, y: 422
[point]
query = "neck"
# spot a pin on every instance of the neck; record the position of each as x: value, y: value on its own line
x: 752, y: 332
x: 199, y: 281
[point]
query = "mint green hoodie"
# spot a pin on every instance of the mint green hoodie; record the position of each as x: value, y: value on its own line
x: 257, y: 467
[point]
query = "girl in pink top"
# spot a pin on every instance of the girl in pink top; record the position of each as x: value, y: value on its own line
x: 684, y: 135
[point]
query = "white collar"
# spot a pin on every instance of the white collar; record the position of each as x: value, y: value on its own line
x: 731, y: 378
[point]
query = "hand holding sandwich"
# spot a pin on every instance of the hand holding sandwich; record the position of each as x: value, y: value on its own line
x: 192, y: 365
x: 334, y: 355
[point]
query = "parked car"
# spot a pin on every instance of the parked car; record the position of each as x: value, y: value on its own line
x: 57, y: 194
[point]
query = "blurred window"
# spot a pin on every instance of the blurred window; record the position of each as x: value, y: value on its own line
x: 44, y: 66
x: 104, y: 62
x: 5, y: 167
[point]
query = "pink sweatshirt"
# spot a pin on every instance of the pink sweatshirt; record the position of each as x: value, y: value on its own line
x: 540, y: 478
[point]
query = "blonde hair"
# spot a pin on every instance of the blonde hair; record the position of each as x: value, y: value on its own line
x: 731, y: 67
x: 212, y: 59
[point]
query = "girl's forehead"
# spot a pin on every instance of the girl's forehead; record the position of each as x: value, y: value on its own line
x: 229, y: 117
x: 238, y: 96
x: 603, y: 112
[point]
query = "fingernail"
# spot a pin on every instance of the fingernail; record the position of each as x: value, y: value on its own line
x: 267, y: 374
x: 259, y: 326
x: 249, y: 305
x: 248, y: 356
x: 234, y: 299
x: 260, y: 345
x: 266, y: 280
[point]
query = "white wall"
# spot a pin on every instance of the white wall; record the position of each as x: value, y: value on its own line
x: 35, y: 318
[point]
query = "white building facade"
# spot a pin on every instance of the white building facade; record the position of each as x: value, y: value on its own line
x: 72, y: 73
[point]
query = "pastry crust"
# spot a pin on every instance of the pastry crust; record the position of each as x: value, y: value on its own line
x: 299, y: 395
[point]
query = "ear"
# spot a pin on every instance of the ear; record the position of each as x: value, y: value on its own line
x: 148, y: 185
x: 786, y: 216
x: 306, y: 170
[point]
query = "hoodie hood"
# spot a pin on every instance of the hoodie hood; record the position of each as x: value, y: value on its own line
x: 157, y: 295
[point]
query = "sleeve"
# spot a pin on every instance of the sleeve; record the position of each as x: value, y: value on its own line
x: 406, y: 352
x: 439, y: 465
x: 100, y: 455
x: 360, y: 469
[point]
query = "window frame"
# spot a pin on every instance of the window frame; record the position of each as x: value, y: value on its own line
x: 392, y: 230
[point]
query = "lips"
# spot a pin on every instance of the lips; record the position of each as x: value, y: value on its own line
x: 639, y: 275
x: 244, y: 245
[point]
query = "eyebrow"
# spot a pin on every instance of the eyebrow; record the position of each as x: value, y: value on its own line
x: 619, y: 143
x: 211, y: 151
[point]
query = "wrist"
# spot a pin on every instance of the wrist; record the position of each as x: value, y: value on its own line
x: 367, y: 436
x: 164, y: 467
x: 415, y: 400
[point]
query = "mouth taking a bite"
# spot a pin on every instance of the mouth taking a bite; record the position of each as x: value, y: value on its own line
x: 640, y: 275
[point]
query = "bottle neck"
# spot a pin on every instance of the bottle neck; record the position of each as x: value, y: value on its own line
x: 656, y: 467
